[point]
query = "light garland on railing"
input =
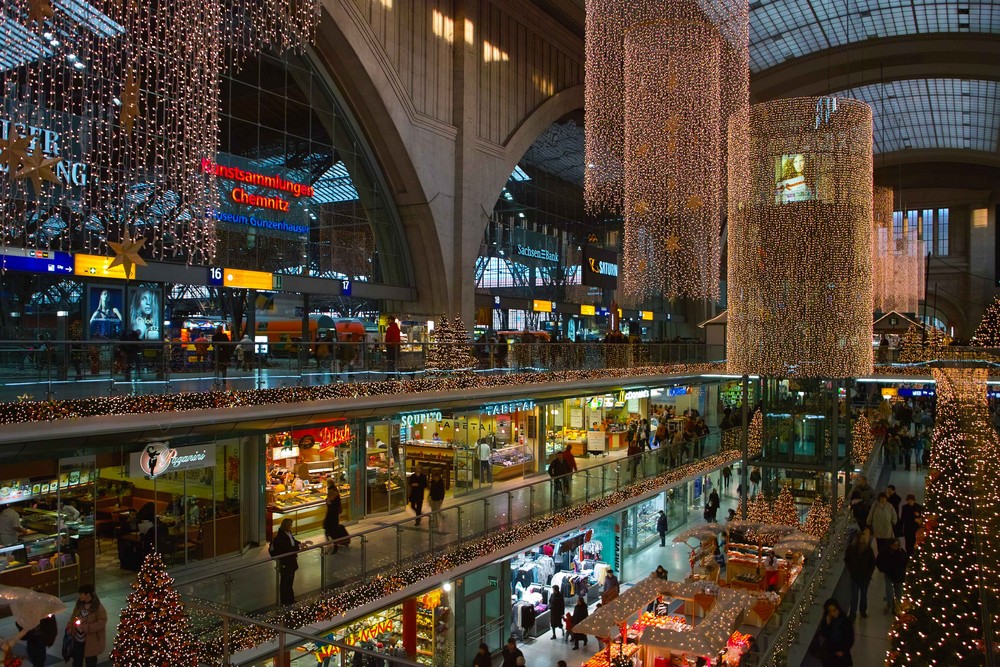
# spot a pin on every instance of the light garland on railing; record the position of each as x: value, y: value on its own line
x: 897, y: 263
x: 331, y: 605
x: 125, y: 98
x: 800, y: 290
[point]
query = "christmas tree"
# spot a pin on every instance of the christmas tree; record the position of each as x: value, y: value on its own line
x: 818, y: 519
x: 952, y: 583
x: 153, y: 630
x: 755, y: 435
x: 784, y: 511
x: 911, y: 345
x: 759, y: 510
x: 862, y: 441
x: 450, y: 351
x: 988, y: 332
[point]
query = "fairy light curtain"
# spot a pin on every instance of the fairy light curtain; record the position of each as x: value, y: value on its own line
x: 897, y: 259
x: 121, y: 99
x: 685, y: 76
x: 800, y: 219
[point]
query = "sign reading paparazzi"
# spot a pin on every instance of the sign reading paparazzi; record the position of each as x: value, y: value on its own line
x: 157, y: 458
x: 600, y: 268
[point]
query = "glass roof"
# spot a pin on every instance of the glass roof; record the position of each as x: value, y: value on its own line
x: 785, y: 29
x: 20, y: 45
x: 932, y: 113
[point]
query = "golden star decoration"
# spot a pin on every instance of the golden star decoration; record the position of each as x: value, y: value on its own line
x: 672, y: 81
x: 641, y: 207
x: 694, y: 202
x: 39, y: 10
x: 13, y: 150
x: 642, y: 266
x: 671, y: 146
x: 672, y: 124
x: 642, y: 150
x: 38, y: 168
x: 24, y: 398
x: 127, y: 253
x: 130, y: 103
x: 673, y: 243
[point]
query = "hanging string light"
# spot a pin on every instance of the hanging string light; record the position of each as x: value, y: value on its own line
x: 897, y: 259
x: 685, y: 76
x: 124, y: 99
x: 800, y: 290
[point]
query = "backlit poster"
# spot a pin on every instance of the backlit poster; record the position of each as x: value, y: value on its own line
x: 105, y: 306
x: 792, y: 179
x: 145, y: 312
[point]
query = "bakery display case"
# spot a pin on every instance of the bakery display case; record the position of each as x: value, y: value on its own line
x: 510, y: 462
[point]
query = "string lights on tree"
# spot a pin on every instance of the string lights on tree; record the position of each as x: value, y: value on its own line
x: 817, y: 521
x: 953, y: 580
x: 800, y: 286
x: 862, y: 441
x: 988, y: 332
x: 685, y: 77
x: 124, y: 99
x: 784, y: 511
x: 897, y: 260
x: 450, y: 351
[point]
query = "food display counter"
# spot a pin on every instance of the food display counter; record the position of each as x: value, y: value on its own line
x: 510, y: 462
x: 54, y: 564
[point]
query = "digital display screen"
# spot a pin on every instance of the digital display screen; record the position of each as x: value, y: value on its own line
x: 793, y: 179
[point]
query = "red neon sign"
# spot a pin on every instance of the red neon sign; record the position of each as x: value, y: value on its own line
x: 252, y: 178
x: 241, y: 196
x: 331, y: 437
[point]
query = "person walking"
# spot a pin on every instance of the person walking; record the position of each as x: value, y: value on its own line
x: 892, y: 564
x: 556, y: 470
x: 220, y: 344
x: 393, y: 341
x: 610, y: 583
x: 859, y: 560
x: 88, y: 625
x: 557, y: 607
x: 911, y: 515
x: 435, y: 497
x: 483, y: 657
x: 882, y: 522
x: 39, y: 638
x: 836, y: 636
x: 418, y: 484
x: 285, y: 543
x: 754, y: 481
x: 712, y: 509
x: 485, y: 465
x: 918, y: 448
x: 727, y: 477
x: 662, y: 526
x: 331, y: 520
x: 246, y: 350
x: 511, y: 653
x: 579, y: 613
x: 893, y: 498
x: 567, y: 454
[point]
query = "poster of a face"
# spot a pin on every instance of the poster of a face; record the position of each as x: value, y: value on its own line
x: 105, y: 306
x: 144, y: 314
x: 791, y: 184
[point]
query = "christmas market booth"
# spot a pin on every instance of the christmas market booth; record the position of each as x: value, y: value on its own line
x: 662, y: 623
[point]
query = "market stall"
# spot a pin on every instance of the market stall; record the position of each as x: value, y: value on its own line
x: 666, y: 623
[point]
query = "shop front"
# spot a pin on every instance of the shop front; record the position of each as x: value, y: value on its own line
x: 592, y: 425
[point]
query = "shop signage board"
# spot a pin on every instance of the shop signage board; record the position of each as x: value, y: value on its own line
x: 508, y: 407
x: 634, y: 394
x: 532, y: 247
x: 677, y: 391
x: 576, y: 418
x: 600, y: 267
x: 36, y: 261
x: 157, y: 458
x: 412, y: 418
x: 596, y: 442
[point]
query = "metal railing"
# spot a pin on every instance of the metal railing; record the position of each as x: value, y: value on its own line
x: 80, y: 369
x: 783, y: 628
x: 253, y: 589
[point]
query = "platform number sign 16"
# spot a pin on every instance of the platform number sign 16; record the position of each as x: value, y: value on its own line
x: 215, y: 276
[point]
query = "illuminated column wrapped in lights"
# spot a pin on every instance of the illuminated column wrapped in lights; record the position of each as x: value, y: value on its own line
x: 603, y: 110
x: 686, y: 74
x: 897, y: 262
x: 130, y: 92
x: 800, y: 276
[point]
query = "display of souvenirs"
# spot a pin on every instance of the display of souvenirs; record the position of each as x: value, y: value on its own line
x: 618, y: 652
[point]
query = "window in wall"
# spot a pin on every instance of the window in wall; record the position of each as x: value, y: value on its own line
x: 897, y: 225
x: 912, y: 223
x: 927, y: 230
x: 942, y: 231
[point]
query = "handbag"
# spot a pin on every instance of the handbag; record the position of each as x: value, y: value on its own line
x: 68, y: 645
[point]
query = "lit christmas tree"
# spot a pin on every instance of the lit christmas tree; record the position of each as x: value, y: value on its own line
x: 759, y: 510
x: 862, y: 441
x: 755, y: 435
x: 954, y: 578
x: 784, y: 511
x: 818, y: 519
x: 911, y: 345
x: 988, y: 332
x: 450, y: 351
x: 153, y: 630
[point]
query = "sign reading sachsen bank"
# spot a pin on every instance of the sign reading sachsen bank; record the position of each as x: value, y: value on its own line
x: 241, y: 196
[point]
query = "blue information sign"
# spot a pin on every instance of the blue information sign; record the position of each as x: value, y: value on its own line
x: 36, y: 261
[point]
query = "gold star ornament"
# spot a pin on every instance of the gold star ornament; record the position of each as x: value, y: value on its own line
x: 38, y: 168
x: 642, y: 150
x: 130, y: 103
x: 694, y: 202
x: 641, y: 207
x: 673, y: 243
x: 24, y: 398
x: 13, y: 150
x: 127, y: 253
x: 39, y: 10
